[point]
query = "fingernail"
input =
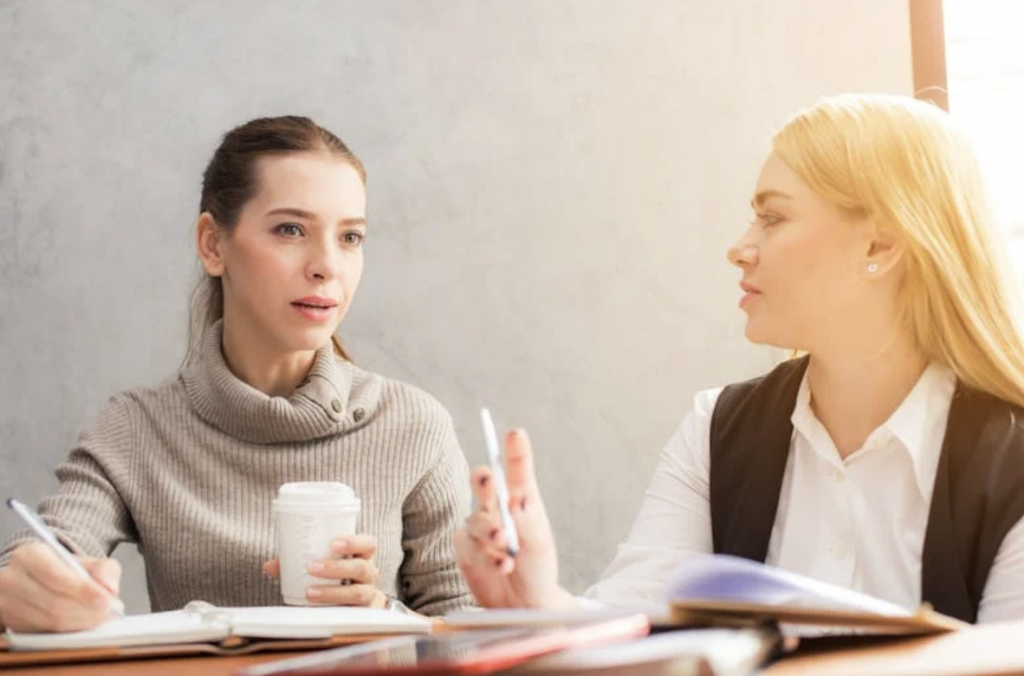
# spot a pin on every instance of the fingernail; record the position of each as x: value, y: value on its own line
x: 507, y: 565
x: 316, y: 567
x: 314, y: 592
x: 99, y: 602
x: 339, y: 545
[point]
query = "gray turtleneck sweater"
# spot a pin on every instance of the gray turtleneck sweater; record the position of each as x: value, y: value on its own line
x: 188, y: 470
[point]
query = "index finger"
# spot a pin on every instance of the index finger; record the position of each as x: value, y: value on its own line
x: 519, y: 463
x: 361, y: 545
x: 49, y: 571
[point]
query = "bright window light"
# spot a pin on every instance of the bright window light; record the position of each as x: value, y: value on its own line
x: 985, y: 79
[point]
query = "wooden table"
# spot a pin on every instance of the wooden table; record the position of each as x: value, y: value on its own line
x: 993, y: 650
x: 987, y: 650
x: 176, y: 666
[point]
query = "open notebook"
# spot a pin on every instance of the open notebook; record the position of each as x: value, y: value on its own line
x: 727, y: 590
x: 696, y: 652
x: 505, y: 618
x: 201, y: 627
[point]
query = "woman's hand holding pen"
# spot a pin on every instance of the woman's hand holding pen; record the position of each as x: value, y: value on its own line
x: 357, y: 567
x: 40, y: 592
x: 498, y: 580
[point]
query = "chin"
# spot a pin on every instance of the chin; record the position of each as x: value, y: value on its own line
x: 759, y: 334
x: 312, y: 340
x: 754, y: 333
x: 304, y: 340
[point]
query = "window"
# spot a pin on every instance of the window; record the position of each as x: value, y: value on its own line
x: 984, y: 45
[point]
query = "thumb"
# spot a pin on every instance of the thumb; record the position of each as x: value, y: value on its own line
x: 105, y: 571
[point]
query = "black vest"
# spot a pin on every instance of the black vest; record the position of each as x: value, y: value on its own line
x: 977, y: 499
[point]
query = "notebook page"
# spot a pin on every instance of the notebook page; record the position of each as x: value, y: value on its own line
x: 720, y: 652
x: 729, y: 578
x: 320, y: 621
x: 529, y: 617
x: 176, y: 626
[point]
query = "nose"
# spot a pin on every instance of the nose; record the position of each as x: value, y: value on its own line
x: 743, y: 253
x: 325, y: 262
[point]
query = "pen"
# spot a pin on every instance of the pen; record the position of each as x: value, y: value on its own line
x: 36, y: 525
x: 500, y: 487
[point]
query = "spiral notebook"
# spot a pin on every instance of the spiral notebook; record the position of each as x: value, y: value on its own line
x: 203, y: 628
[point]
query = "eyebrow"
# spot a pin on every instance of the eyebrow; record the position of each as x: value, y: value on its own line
x: 763, y: 196
x: 310, y: 216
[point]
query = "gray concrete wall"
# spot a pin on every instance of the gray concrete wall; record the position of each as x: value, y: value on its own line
x: 552, y: 186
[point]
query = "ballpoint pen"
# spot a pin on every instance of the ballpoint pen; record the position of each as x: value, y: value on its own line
x: 40, y: 529
x: 500, y: 486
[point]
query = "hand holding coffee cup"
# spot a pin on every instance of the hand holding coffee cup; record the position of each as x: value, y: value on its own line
x: 321, y: 560
x: 344, y: 581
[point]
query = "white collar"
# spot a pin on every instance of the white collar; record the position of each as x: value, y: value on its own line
x: 918, y: 424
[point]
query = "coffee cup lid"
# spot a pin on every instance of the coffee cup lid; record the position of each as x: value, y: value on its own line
x: 317, y: 492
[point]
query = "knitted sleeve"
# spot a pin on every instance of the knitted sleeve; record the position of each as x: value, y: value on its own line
x: 430, y: 580
x: 87, y: 513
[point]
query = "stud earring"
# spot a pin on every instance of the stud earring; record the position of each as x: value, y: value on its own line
x: 873, y: 268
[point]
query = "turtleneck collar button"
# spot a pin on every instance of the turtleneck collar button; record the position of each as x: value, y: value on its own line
x: 315, y: 410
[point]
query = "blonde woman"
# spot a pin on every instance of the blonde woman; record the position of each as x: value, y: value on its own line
x: 890, y: 458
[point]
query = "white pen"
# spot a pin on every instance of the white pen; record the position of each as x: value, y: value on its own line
x: 36, y: 525
x: 500, y: 487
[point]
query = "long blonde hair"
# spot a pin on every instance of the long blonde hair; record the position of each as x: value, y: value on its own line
x: 904, y: 164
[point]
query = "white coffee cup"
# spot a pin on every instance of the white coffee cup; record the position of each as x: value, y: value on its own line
x: 310, y: 515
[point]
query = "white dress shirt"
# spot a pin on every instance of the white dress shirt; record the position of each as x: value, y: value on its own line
x: 857, y: 522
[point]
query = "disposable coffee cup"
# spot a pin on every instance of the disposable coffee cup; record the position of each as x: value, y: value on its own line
x: 310, y: 515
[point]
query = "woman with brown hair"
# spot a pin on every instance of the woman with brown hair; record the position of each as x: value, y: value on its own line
x: 267, y: 395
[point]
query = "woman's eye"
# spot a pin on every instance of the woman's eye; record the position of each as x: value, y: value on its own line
x: 767, y: 220
x: 353, y: 238
x: 289, y: 229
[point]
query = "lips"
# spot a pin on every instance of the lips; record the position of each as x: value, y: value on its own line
x: 315, y: 303
x: 316, y: 309
x: 747, y: 287
x: 750, y: 292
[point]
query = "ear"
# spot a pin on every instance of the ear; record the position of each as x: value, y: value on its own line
x: 883, y: 251
x: 210, y: 240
